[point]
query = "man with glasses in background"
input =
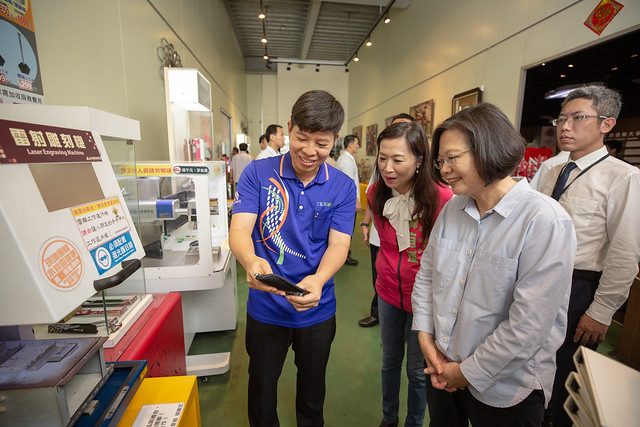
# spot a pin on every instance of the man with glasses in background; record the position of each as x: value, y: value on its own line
x: 602, y: 196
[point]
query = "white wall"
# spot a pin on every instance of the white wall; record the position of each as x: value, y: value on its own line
x: 104, y: 54
x: 277, y: 92
x: 434, y: 50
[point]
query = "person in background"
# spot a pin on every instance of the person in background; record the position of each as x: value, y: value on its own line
x: 371, y: 239
x: 234, y: 151
x: 275, y: 141
x: 490, y: 299
x: 293, y: 216
x: 602, y: 196
x: 238, y: 163
x: 263, y: 142
x: 347, y: 164
x: 331, y: 158
x: 405, y: 202
x: 614, y: 148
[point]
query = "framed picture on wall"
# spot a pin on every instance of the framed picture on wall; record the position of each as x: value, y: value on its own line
x: 387, y: 121
x: 466, y: 99
x: 372, y: 135
x: 357, y: 131
x: 423, y: 113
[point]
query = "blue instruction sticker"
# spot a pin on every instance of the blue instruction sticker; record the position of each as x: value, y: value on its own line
x: 113, y: 252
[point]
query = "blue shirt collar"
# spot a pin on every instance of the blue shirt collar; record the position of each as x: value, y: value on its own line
x: 287, y: 171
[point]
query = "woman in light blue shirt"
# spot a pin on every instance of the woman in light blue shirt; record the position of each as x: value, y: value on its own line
x: 490, y: 299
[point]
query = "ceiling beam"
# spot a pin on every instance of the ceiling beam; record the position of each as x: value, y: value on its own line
x: 403, y: 4
x: 312, y: 18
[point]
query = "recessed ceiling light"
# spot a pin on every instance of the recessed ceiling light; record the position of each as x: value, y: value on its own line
x: 570, y: 65
x: 614, y: 69
x: 544, y: 63
x: 635, y: 55
x: 562, y: 75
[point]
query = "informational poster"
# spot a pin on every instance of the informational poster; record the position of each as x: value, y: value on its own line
x: 106, y: 232
x: 20, y: 80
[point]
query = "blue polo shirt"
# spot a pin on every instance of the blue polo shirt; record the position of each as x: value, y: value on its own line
x: 292, y: 231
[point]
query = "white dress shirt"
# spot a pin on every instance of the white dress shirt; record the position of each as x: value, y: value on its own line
x: 267, y: 152
x: 347, y: 164
x: 494, y: 290
x: 604, y: 204
x: 538, y: 178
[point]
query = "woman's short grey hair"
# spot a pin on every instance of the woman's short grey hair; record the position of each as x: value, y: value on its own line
x: 496, y: 146
x: 607, y: 102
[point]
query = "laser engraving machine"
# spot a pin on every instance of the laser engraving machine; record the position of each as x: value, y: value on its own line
x: 66, y: 234
x: 183, y: 225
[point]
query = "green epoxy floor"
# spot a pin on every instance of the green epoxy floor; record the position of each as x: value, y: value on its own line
x: 353, y: 374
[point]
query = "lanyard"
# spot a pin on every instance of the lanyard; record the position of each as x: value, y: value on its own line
x: 580, y: 174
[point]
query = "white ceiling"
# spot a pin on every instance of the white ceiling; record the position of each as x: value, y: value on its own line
x: 305, y: 31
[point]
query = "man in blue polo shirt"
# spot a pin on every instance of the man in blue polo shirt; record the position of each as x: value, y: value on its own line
x: 293, y: 216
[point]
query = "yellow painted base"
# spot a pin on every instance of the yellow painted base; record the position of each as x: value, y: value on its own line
x: 166, y: 390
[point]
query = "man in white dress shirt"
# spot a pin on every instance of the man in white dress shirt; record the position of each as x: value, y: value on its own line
x: 347, y: 164
x: 275, y: 141
x: 602, y: 196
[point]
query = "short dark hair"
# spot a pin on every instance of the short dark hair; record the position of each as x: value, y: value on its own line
x: 234, y: 150
x: 424, y: 190
x: 263, y: 136
x: 317, y: 111
x: 614, y: 144
x: 271, y: 130
x: 348, y: 140
x: 243, y: 146
x: 403, y: 116
x: 496, y: 146
x: 607, y: 102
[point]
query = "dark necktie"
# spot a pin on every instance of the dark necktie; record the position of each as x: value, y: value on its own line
x: 562, y: 180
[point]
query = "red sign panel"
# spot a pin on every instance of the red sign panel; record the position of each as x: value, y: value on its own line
x: 32, y: 143
x: 602, y: 15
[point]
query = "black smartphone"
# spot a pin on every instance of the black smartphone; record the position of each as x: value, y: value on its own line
x: 281, y: 283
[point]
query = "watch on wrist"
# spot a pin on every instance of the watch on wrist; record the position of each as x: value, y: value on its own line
x: 364, y: 224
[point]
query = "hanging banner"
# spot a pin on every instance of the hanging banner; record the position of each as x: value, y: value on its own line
x: 20, y: 80
x: 602, y: 15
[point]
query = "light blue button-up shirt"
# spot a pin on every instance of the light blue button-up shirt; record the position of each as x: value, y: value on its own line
x: 494, y: 291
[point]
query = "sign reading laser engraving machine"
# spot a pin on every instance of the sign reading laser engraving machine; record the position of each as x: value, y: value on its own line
x: 106, y: 232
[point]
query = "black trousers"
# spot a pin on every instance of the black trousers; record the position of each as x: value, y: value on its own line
x: 583, y: 290
x: 267, y: 346
x: 459, y: 408
x: 374, y: 274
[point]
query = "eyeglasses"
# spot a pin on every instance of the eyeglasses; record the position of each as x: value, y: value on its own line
x: 449, y: 159
x: 560, y: 121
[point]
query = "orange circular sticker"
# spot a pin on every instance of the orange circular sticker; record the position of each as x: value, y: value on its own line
x: 61, y: 263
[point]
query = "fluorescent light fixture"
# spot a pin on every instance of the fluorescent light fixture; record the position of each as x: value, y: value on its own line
x: 562, y: 91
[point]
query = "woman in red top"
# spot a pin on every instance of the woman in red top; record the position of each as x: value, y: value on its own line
x: 405, y: 203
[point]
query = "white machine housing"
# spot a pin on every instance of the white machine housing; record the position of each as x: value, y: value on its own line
x: 28, y: 225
